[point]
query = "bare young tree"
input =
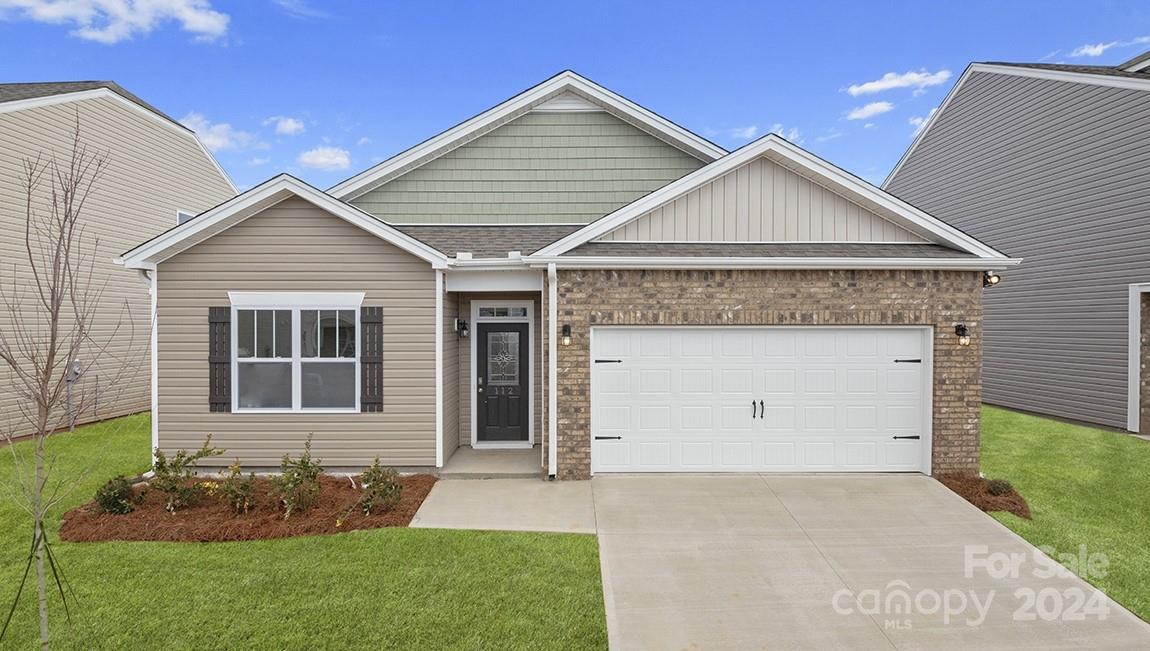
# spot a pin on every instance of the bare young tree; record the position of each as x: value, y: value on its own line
x: 53, y: 299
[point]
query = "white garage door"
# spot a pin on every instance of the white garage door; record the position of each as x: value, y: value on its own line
x: 684, y: 399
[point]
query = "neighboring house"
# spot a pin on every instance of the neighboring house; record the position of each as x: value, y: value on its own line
x: 571, y: 271
x: 157, y: 170
x: 1048, y: 162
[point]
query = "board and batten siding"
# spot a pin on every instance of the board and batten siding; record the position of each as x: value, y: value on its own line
x: 294, y: 246
x: 1056, y: 173
x: 760, y: 201
x: 154, y: 169
x: 543, y: 167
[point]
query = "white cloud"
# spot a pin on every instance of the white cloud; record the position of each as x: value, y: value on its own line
x: 216, y: 136
x: 286, y: 126
x: 744, y: 133
x: 792, y: 134
x: 869, y: 110
x: 829, y: 135
x: 112, y: 21
x: 363, y: 141
x: 868, y: 125
x: 300, y: 9
x: 1098, y: 49
x: 325, y: 158
x: 918, y: 80
x: 919, y: 123
x: 257, y: 161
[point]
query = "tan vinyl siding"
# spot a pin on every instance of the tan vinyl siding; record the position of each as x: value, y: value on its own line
x: 466, y: 366
x: 451, y: 352
x: 760, y: 201
x: 294, y: 246
x: 153, y: 170
x: 548, y: 167
x: 1055, y: 173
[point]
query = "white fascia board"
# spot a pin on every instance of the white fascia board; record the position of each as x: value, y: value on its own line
x: 275, y: 189
x: 1015, y: 71
x: 624, y: 262
x: 803, y: 162
x: 329, y: 300
x: 525, y: 101
x: 96, y: 93
x: 1134, y: 357
x: 521, y: 279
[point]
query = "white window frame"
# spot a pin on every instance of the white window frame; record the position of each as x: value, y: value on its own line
x: 529, y: 319
x: 295, y: 302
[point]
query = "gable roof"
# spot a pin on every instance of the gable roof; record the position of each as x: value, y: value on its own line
x: 1119, y: 76
x: 564, y: 91
x: 487, y: 241
x: 802, y: 162
x: 250, y: 203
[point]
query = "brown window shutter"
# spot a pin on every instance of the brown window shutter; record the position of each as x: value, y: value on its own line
x: 220, y: 358
x: 371, y: 359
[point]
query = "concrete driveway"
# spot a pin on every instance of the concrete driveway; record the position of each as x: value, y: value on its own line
x: 859, y: 562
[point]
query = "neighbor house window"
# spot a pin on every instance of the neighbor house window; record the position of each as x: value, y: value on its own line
x: 296, y: 357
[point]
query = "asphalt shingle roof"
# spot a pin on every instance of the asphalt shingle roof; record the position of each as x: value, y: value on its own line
x: 486, y: 241
x: 32, y: 90
x: 1109, y: 71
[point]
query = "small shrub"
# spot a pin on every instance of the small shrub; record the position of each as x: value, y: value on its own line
x: 297, y: 485
x: 236, y: 489
x: 999, y: 487
x: 173, y: 476
x: 381, y: 489
x: 116, y: 496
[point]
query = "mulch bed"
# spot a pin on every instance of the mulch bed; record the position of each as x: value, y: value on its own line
x: 212, y: 521
x: 972, y: 488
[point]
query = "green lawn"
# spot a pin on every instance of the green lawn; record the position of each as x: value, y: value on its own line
x: 1085, y: 486
x: 387, y: 588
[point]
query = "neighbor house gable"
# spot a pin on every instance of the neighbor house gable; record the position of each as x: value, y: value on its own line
x: 254, y: 202
x: 779, y: 154
x: 567, y: 93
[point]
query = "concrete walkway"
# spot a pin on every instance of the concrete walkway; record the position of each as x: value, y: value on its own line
x: 797, y: 561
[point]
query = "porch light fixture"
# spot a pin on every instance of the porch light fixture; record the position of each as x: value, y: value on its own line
x: 566, y: 334
x: 963, y: 334
x: 990, y: 279
x: 461, y: 328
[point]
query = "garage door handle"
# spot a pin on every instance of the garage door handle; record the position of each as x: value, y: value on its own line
x: 908, y: 361
x: 608, y: 361
x: 608, y: 438
x: 915, y: 437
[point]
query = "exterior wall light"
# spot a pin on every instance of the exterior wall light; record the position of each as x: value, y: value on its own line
x: 461, y: 328
x: 963, y: 334
x: 566, y: 334
x: 990, y: 279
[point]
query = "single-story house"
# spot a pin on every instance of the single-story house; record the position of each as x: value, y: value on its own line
x: 1046, y: 160
x: 571, y: 272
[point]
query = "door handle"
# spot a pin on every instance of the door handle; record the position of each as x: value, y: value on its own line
x: 762, y: 410
x: 608, y: 438
x: 916, y: 437
x: 753, y: 410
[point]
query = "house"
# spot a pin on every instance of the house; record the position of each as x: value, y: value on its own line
x: 570, y: 272
x: 157, y: 171
x: 1045, y: 161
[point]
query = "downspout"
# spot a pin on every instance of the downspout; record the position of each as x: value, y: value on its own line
x: 150, y: 280
x: 552, y: 372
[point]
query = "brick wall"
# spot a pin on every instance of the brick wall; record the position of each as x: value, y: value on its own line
x: 758, y: 297
x: 1144, y: 393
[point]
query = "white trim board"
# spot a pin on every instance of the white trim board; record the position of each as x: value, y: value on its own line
x: 256, y: 200
x: 1015, y: 71
x: 1134, y: 357
x: 623, y: 262
x: 566, y: 83
x: 802, y: 162
x: 108, y: 93
x: 474, y: 372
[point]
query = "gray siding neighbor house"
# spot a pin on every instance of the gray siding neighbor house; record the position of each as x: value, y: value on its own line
x: 1049, y: 163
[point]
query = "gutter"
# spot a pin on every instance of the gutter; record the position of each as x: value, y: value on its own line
x: 627, y: 262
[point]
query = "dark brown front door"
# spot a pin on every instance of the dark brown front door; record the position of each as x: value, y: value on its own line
x: 501, y: 382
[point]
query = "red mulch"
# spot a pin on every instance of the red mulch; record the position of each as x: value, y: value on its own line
x: 972, y: 488
x: 212, y: 521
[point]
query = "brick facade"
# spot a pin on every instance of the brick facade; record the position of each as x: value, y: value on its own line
x: 587, y: 298
x: 1144, y: 376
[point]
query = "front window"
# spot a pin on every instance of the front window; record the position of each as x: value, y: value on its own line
x: 296, y: 358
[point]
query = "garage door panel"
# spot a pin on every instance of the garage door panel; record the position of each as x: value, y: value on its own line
x: 688, y: 399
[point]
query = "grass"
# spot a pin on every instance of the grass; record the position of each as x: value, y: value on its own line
x: 387, y: 588
x: 1085, y: 486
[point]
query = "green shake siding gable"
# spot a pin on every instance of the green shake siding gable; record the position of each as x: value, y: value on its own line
x: 544, y: 167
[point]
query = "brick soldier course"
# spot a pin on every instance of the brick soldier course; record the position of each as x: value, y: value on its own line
x: 588, y: 298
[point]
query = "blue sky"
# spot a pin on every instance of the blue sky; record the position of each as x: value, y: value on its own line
x: 326, y: 89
